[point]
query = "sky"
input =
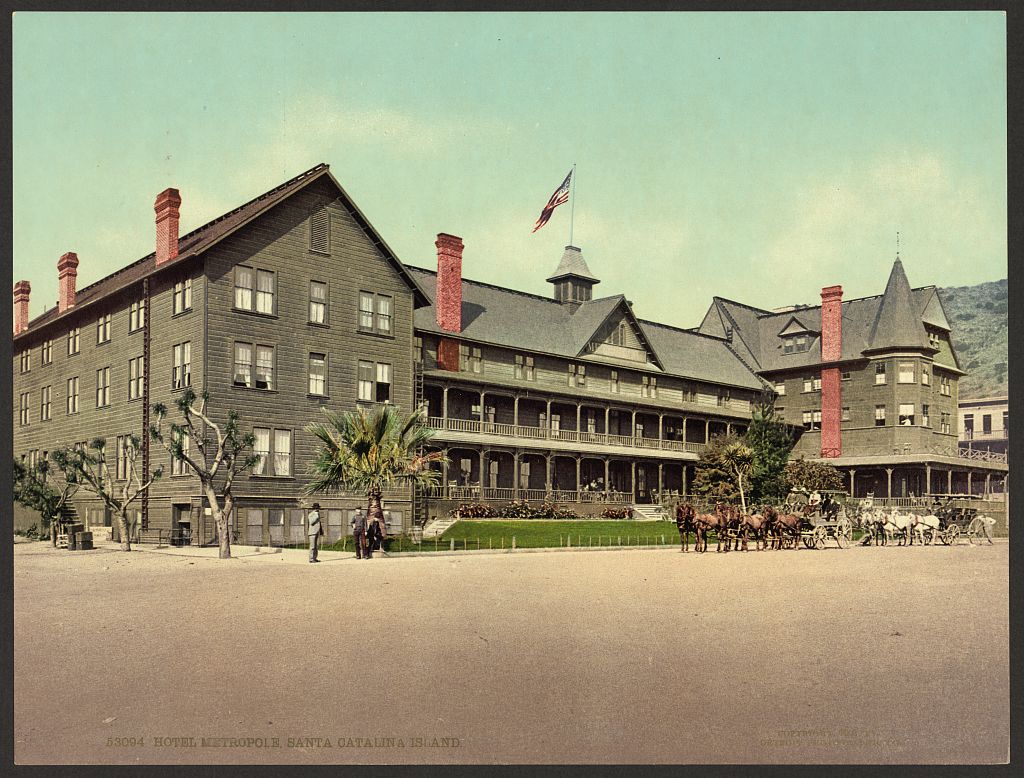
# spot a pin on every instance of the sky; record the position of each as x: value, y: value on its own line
x: 753, y: 156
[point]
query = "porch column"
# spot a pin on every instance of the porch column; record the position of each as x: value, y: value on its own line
x: 607, y: 416
x: 661, y: 479
x: 969, y: 484
x: 927, y: 478
x: 577, y: 476
x: 606, y: 479
x: 547, y: 470
x: 684, y: 432
x: 515, y: 474
x: 515, y: 411
x: 547, y: 422
x: 707, y: 436
x: 949, y: 481
x: 578, y: 406
x: 661, y: 420
x: 728, y: 428
x: 483, y: 470
x: 444, y: 471
x: 632, y: 479
x: 888, y: 482
x: 988, y: 484
x: 853, y: 476
x: 444, y: 405
x: 632, y: 428
x: 483, y: 416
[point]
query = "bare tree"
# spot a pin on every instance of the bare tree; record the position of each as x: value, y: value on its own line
x: 217, y: 456
x: 91, y: 472
x: 34, y: 489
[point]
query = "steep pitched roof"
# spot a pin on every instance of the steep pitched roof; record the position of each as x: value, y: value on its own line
x: 573, y: 264
x: 506, y: 317
x: 897, y: 322
x: 592, y: 316
x: 213, y: 232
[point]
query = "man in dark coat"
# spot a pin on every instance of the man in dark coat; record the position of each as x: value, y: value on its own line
x: 359, y: 534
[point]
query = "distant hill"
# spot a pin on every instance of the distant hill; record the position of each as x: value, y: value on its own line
x: 977, y: 315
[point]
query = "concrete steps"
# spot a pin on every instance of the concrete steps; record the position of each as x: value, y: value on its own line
x: 437, y: 527
x: 648, y: 513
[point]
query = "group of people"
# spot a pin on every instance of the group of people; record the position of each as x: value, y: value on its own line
x: 368, y: 533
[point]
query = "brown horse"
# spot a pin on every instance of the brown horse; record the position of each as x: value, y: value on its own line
x: 729, y: 527
x: 787, y: 526
x: 756, y: 525
x: 684, y: 523
x: 702, y: 522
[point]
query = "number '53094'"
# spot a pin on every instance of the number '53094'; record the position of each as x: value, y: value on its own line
x: 125, y: 741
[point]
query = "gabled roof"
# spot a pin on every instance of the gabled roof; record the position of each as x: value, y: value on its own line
x: 530, y: 323
x: 593, y: 315
x: 573, y: 264
x: 934, y: 312
x: 213, y: 232
x: 795, y: 327
x: 897, y: 322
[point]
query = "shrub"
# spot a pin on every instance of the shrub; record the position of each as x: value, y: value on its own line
x: 617, y: 513
x: 517, y: 509
x: 472, y: 510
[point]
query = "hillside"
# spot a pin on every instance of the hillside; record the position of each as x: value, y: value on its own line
x: 977, y: 315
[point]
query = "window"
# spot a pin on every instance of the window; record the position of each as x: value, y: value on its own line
x: 182, y: 366
x: 72, y: 395
x: 613, y: 382
x: 317, y: 302
x: 136, y: 315
x: 375, y: 313
x: 934, y: 340
x: 879, y: 415
x: 577, y: 375
x: 417, y: 350
x: 470, y: 359
x: 276, y: 459
x: 74, y: 341
x: 103, y: 387
x: 1006, y: 424
x: 524, y: 367
x: 47, y: 352
x: 618, y: 336
x: 812, y: 420
x: 986, y: 424
x: 320, y: 231
x: 182, y: 297
x: 648, y: 386
x: 879, y: 373
x: 121, y: 458
x: 906, y: 415
x: 780, y: 388
x: 245, y: 370
x: 792, y: 344
x: 925, y: 377
x: 318, y: 374
x: 925, y: 420
x: 968, y: 426
x: 724, y: 397
x: 844, y: 376
x: 365, y: 311
x: 846, y: 415
x: 178, y: 464
x: 243, y: 288
x: 374, y: 382
x: 44, y: 404
x: 945, y: 386
x: 26, y: 360
x: 906, y: 373
x: 944, y: 420
x: 808, y: 384
x: 103, y: 329
x: 23, y: 417
x: 264, y: 291
x: 136, y: 375
x: 384, y: 314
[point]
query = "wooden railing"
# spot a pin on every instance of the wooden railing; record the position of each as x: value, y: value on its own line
x: 475, y: 493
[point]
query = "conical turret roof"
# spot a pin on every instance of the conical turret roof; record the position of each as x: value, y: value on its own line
x: 573, y: 264
x: 898, y: 321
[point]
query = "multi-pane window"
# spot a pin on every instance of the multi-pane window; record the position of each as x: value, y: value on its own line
x: 470, y: 359
x: 243, y: 364
x: 906, y: 415
x: 23, y: 412
x: 945, y: 385
x: 417, y: 349
x: 384, y: 314
x: 365, y: 311
x: 181, y: 375
x: 724, y: 396
x: 374, y: 382
x: 845, y: 375
x: 264, y: 291
x: 879, y: 415
x: 137, y: 315
x: 121, y: 458
x: 26, y: 360
x: 181, y: 299
x: 136, y: 376
x: 879, y: 373
x: 375, y: 313
x: 262, y: 369
x: 244, y: 282
x: 906, y: 373
x: 926, y: 378
x: 47, y: 352
x: 795, y: 343
x: 178, y: 465
x: 934, y: 340
x: 925, y: 419
x: 780, y: 388
x: 317, y: 302
x: 986, y: 424
x: 103, y: 387
x: 648, y: 386
x: 74, y: 341
x: 944, y: 421
x: 846, y: 414
x: 524, y: 367
x: 812, y: 383
x: 613, y: 382
x: 103, y: 328
x: 812, y: 420
x: 273, y: 450
x: 254, y: 290
x: 44, y: 404
x: 72, y: 404
x: 577, y: 375
x: 318, y: 374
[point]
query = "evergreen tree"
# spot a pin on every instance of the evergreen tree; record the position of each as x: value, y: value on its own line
x: 715, y: 477
x: 805, y: 477
x: 771, y: 441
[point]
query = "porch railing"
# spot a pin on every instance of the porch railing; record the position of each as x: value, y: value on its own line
x: 501, y: 429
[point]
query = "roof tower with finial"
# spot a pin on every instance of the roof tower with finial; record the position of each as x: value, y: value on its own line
x: 898, y: 321
x: 572, y: 278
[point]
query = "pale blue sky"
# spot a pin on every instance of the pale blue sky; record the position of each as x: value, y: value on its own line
x: 753, y: 156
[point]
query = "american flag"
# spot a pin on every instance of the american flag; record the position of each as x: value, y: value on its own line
x: 560, y: 196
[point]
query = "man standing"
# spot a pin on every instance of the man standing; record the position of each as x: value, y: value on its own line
x: 315, y: 530
x: 359, y: 533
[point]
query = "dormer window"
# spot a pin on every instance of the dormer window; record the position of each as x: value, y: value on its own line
x: 792, y: 344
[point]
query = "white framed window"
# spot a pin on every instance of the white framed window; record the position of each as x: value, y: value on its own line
x: 181, y: 372
x: 944, y: 421
x: 879, y: 373
x: 383, y: 389
x: 23, y: 408
x: 178, y: 466
x: 245, y: 369
x: 103, y: 329
x: 648, y: 386
x: 244, y: 283
x: 44, y: 404
x: 846, y: 415
x: 261, y: 449
x: 264, y: 367
x: 137, y: 315
x: 282, y: 452
x: 925, y: 418
x: 181, y: 297
x: 906, y: 373
x: 812, y: 420
x: 808, y: 384
x: 243, y: 365
x: 103, y: 387
x: 384, y: 314
x: 136, y: 376
x: 318, y: 374
x: 945, y: 386
x: 934, y: 340
x: 264, y: 292
x: 72, y: 396
x: 46, y: 352
x: 365, y: 311
x: 470, y: 359
x: 926, y: 379
x: 613, y: 382
x: 577, y: 374
x: 26, y: 360
x: 879, y: 415
x: 906, y: 415
x: 365, y: 382
x: 74, y: 341
x: 780, y: 388
x: 845, y: 375
x: 273, y: 449
x: 317, y: 302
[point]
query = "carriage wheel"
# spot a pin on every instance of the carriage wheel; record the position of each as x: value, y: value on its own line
x: 808, y: 539
x: 975, y: 530
x: 952, y: 534
x: 844, y: 533
x: 819, y: 537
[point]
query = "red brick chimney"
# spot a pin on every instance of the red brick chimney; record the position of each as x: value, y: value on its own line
x: 166, y: 207
x: 831, y: 379
x: 22, y: 289
x: 67, y: 273
x: 448, y: 300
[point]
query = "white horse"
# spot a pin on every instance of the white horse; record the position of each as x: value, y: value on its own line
x: 926, y: 524
x: 895, y: 523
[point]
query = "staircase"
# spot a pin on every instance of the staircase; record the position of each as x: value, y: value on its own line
x: 419, y: 497
x: 437, y: 527
x: 648, y: 513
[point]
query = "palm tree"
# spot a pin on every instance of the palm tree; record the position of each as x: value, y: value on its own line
x: 370, y: 452
x: 739, y: 457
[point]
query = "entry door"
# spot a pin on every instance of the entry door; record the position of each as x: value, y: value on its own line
x: 524, y: 475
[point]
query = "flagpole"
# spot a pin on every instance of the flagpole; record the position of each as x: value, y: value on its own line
x: 572, y: 207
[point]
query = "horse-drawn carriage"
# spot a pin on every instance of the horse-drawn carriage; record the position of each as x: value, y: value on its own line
x: 825, y: 518
x: 956, y: 521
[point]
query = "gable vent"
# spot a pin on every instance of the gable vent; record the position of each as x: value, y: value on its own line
x: 320, y: 232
